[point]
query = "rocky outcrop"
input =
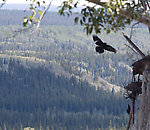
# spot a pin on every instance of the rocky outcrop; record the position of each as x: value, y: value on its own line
x: 142, y: 121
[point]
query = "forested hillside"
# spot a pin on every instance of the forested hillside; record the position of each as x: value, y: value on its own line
x: 32, y: 95
x: 72, y: 51
x: 54, y: 77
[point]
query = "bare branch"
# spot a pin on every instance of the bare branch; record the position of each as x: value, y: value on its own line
x: 129, y: 120
x: 21, y: 30
x: 131, y: 48
x: 144, y: 5
x: 134, y: 46
x: 141, y: 19
x: 37, y: 23
x: 97, y: 2
x: 43, y: 13
x: 16, y: 32
x: 148, y: 4
x: 132, y: 29
x: 4, y: 1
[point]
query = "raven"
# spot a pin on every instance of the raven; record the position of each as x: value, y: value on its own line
x: 101, y: 46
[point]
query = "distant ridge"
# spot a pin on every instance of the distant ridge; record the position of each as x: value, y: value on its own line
x: 15, y: 6
x: 51, y: 18
x: 53, y: 8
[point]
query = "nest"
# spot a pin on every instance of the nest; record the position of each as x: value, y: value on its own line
x: 133, y: 90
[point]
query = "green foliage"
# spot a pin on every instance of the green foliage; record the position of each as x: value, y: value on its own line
x: 37, y: 7
x: 102, y: 16
x: 65, y: 6
x: 106, y: 16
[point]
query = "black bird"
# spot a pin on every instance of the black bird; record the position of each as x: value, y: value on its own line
x: 101, y: 46
x: 128, y: 109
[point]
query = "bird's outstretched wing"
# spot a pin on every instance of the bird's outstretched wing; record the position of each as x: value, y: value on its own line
x: 110, y: 48
x: 96, y: 38
x: 99, y: 49
x: 98, y: 41
x: 101, y: 46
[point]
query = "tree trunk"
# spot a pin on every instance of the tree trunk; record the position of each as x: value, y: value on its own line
x: 142, y: 121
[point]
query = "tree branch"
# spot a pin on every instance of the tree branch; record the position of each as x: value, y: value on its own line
x: 97, y: 2
x: 134, y: 46
x: 148, y: 4
x: 4, y: 1
x: 43, y: 13
x: 131, y: 48
x: 129, y: 120
x: 128, y: 14
x: 141, y: 19
x: 132, y: 29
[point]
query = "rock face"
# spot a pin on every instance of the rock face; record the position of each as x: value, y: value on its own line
x: 142, y: 121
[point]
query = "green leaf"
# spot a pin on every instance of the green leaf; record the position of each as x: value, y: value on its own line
x: 40, y: 12
x: 25, y: 24
x: 108, y: 30
x: 37, y: 19
x: 81, y: 22
x: 31, y: 16
x: 25, y: 19
x: 76, y: 19
x: 38, y: 3
x: 90, y: 29
x: 83, y: 19
x: 75, y: 5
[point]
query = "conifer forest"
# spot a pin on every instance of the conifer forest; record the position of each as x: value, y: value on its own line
x: 53, y: 79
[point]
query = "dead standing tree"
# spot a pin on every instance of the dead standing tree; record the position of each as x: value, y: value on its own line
x: 132, y: 92
x: 135, y: 87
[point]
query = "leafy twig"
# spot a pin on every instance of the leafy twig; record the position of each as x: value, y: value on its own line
x: 4, y: 1
x: 43, y: 14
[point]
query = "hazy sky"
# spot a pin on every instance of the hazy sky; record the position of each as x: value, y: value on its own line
x: 15, y: 1
x: 55, y: 2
